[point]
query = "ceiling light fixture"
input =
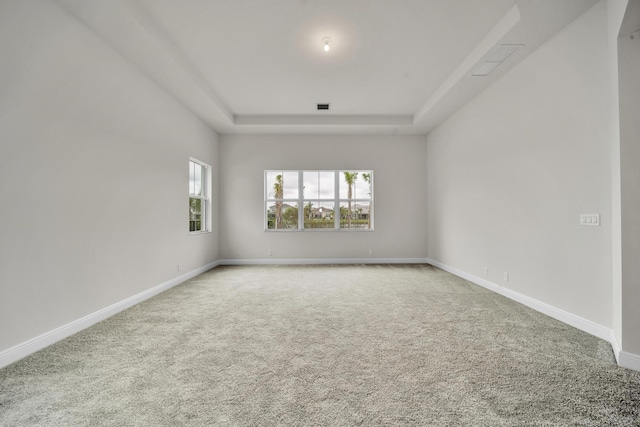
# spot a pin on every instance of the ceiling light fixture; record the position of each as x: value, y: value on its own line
x: 325, y: 42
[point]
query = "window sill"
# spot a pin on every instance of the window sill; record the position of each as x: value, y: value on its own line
x: 322, y: 230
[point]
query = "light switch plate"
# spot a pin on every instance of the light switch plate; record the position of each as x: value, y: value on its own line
x: 590, y: 219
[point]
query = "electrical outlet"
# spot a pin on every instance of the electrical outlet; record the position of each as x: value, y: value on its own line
x: 179, y: 267
x: 505, y: 276
x: 269, y: 252
x: 370, y: 251
x: 486, y: 271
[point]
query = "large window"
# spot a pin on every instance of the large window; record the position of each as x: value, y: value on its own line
x: 199, y: 196
x: 318, y: 200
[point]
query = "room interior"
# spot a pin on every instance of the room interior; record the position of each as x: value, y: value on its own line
x: 484, y: 159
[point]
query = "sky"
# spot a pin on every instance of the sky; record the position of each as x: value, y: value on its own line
x: 318, y: 185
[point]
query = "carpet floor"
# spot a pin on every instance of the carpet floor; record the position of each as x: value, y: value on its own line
x: 367, y: 345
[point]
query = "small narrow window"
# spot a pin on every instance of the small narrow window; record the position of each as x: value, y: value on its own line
x: 199, y: 196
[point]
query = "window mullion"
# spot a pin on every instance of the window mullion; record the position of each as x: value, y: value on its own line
x: 336, y: 200
x: 205, y: 211
x: 300, y: 201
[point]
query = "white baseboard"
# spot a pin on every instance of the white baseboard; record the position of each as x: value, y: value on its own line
x: 628, y: 360
x: 615, y: 346
x: 321, y: 261
x: 624, y: 359
x: 26, y: 348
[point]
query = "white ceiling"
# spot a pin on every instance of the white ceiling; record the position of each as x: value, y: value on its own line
x: 257, y: 66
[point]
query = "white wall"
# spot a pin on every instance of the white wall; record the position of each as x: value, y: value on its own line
x: 398, y: 164
x: 629, y: 70
x: 615, y: 14
x: 510, y: 173
x: 93, y: 175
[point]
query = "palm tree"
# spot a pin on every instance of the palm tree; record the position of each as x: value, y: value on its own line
x: 350, y: 178
x: 367, y: 179
x: 277, y: 194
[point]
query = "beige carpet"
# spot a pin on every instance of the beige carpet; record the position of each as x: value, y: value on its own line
x: 323, y: 346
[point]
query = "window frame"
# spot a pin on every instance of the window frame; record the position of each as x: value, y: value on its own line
x: 205, y: 197
x: 301, y: 200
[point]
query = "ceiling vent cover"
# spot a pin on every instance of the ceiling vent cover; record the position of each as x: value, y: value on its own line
x: 323, y: 106
x: 499, y: 55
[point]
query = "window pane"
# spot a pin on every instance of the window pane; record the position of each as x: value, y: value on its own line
x: 327, y: 185
x: 198, y: 176
x: 282, y: 216
x: 282, y: 185
x: 192, y: 184
x: 356, y: 184
x: 195, y: 214
x: 291, y: 185
x: 318, y: 214
x: 354, y: 215
x: 363, y: 186
x: 347, y: 184
x: 319, y: 185
x: 273, y: 178
x: 310, y: 185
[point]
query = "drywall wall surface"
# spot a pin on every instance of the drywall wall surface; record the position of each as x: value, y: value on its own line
x: 615, y: 13
x: 629, y: 70
x: 93, y: 175
x: 398, y: 164
x: 510, y: 173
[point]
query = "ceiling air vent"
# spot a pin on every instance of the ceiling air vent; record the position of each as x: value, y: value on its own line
x: 499, y: 55
x: 323, y: 106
